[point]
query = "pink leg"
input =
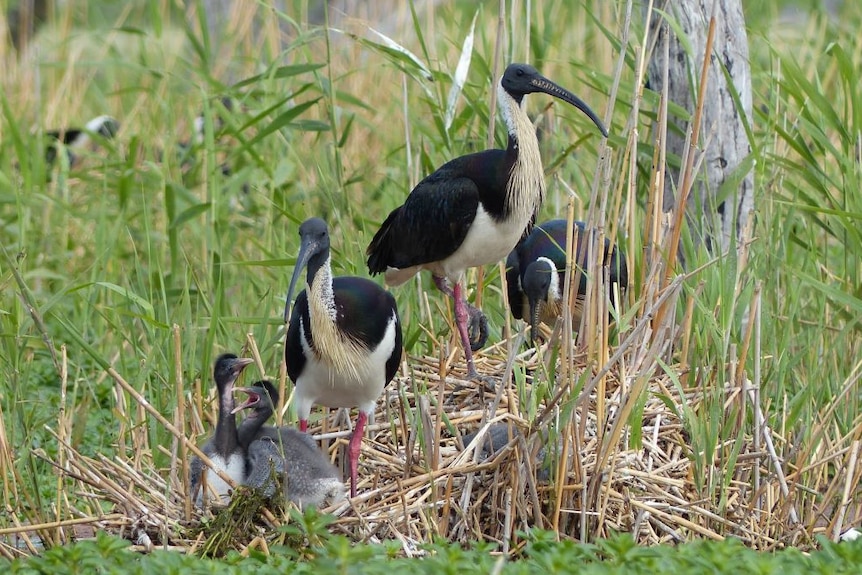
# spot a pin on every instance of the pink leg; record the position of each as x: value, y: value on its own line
x: 461, y: 319
x: 461, y: 322
x: 303, y: 425
x: 353, y: 449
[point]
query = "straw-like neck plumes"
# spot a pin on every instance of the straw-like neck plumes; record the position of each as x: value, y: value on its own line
x: 331, y: 344
x: 526, y: 188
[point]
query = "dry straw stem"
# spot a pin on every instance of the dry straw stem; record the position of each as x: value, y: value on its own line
x: 412, y: 492
x: 687, y: 175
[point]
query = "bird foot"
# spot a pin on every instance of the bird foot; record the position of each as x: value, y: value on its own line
x: 477, y: 327
x: 488, y: 382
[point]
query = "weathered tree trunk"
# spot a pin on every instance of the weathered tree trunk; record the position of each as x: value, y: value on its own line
x: 721, y: 199
x: 24, y: 21
x: 233, y: 23
x: 219, y: 18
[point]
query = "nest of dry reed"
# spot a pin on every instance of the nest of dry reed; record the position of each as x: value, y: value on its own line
x: 572, y: 463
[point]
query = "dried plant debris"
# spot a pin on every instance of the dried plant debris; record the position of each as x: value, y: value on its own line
x: 452, y: 458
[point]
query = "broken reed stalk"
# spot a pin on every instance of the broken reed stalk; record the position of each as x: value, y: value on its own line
x: 251, y: 346
x: 59, y: 524
x: 851, y: 482
x: 687, y: 174
x: 492, y: 119
x: 758, y: 288
x: 6, y: 463
x: 687, y: 331
x: 653, y: 214
x: 183, y: 480
x: 64, y: 429
x: 760, y: 423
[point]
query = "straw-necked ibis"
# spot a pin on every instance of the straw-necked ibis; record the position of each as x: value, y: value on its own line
x: 188, y: 149
x: 223, y: 447
x: 71, y: 140
x: 344, y: 338
x: 535, y: 273
x: 284, y: 454
x: 473, y: 209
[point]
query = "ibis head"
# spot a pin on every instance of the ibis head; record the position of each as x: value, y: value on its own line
x: 226, y: 371
x: 313, y: 253
x: 541, y: 284
x: 260, y: 397
x: 104, y: 126
x: 521, y: 79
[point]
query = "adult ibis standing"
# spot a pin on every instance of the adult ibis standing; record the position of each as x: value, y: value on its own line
x: 535, y: 273
x: 344, y: 338
x: 473, y: 209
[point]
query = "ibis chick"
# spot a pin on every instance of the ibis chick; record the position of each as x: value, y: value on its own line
x: 223, y: 448
x: 473, y: 209
x: 284, y: 453
x: 535, y: 273
x: 343, y: 341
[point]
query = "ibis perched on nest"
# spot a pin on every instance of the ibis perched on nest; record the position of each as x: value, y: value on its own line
x: 223, y: 448
x: 344, y: 338
x: 283, y: 453
x: 473, y: 209
x: 535, y: 273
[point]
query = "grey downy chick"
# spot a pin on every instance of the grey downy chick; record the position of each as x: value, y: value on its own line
x: 284, y: 452
x: 496, y: 438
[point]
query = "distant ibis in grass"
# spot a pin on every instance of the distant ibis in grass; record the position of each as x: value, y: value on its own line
x: 189, y: 148
x: 343, y: 342
x: 473, y: 209
x: 223, y: 448
x: 283, y: 454
x: 535, y: 273
x: 74, y: 139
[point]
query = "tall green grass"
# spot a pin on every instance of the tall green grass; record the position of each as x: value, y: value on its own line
x: 117, y: 251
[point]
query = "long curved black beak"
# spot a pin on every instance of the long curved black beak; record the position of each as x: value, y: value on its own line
x: 307, y: 248
x: 534, y: 319
x: 542, y: 84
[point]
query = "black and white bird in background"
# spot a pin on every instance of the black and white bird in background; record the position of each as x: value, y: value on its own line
x: 535, y: 273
